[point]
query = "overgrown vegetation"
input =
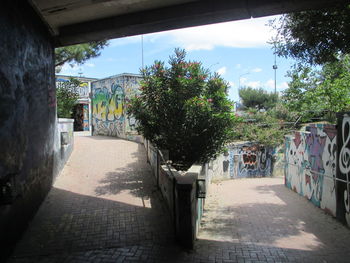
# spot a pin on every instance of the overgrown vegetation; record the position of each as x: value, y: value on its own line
x: 184, y: 109
x: 319, y: 93
x: 66, y: 97
x: 265, y: 127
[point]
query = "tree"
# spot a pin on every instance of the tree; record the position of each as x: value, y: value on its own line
x: 316, y: 36
x: 78, y: 53
x: 266, y: 128
x: 322, y: 92
x: 257, y: 98
x: 66, y: 97
x: 183, y: 109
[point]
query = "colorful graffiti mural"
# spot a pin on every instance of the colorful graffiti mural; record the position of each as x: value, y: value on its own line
x: 250, y: 160
x: 310, y: 164
x: 109, y: 102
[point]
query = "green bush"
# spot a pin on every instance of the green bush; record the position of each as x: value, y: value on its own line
x: 66, y: 97
x: 184, y: 109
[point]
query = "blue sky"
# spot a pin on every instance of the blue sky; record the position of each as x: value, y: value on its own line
x: 237, y: 50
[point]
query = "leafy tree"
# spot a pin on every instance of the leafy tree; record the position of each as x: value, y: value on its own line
x: 78, y: 53
x: 316, y: 36
x: 261, y: 127
x: 320, y: 92
x: 257, y: 98
x: 183, y: 109
x: 67, y: 97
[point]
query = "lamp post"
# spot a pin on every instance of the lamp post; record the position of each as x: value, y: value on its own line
x: 239, y: 79
x: 275, y: 66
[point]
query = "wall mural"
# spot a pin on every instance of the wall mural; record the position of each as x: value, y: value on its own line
x: 343, y: 169
x: 310, y: 167
x: 250, y: 161
x: 109, y: 101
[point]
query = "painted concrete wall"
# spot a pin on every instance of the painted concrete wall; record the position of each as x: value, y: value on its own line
x: 27, y: 116
x: 243, y: 160
x: 109, y: 101
x: 310, y: 169
x: 64, y: 143
x: 343, y: 169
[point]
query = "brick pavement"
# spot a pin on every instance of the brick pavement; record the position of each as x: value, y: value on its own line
x: 104, y: 207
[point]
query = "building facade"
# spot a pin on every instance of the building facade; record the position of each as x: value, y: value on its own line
x: 82, y: 110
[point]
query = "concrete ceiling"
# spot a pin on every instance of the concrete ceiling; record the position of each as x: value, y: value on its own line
x: 78, y: 21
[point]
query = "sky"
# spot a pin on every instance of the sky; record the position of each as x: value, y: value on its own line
x: 237, y: 50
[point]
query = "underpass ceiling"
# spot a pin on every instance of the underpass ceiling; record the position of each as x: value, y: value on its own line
x: 78, y: 21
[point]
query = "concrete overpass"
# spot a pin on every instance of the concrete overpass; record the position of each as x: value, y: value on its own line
x: 30, y: 30
x: 77, y: 21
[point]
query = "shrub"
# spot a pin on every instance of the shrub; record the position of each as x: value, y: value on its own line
x: 183, y: 109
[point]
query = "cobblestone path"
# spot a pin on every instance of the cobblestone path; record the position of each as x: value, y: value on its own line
x: 104, y: 207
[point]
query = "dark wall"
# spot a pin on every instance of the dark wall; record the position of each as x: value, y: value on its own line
x: 343, y: 168
x: 27, y: 117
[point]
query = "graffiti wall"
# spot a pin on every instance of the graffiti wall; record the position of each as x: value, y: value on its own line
x: 310, y: 164
x: 250, y: 160
x: 343, y: 169
x: 109, y: 101
x: 243, y: 160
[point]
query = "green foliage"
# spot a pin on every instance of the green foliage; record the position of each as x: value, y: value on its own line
x: 316, y: 36
x: 183, y: 109
x: 78, y: 54
x: 66, y: 97
x: 323, y: 92
x: 257, y: 98
x: 266, y: 128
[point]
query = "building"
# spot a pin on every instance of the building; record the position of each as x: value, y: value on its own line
x: 82, y: 110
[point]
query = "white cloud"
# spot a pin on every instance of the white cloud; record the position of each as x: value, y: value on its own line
x: 270, y: 85
x: 256, y: 70
x: 253, y: 84
x: 239, y: 34
x: 90, y: 65
x: 70, y: 70
x: 282, y: 86
x: 231, y: 84
x: 222, y: 71
x: 238, y: 66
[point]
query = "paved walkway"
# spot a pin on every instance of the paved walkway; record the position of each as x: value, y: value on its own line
x: 104, y: 208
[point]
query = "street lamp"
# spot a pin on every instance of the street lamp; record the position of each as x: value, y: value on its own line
x: 275, y: 66
x: 239, y: 79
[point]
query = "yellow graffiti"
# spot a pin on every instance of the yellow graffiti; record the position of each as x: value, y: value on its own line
x: 100, y: 111
x: 115, y: 108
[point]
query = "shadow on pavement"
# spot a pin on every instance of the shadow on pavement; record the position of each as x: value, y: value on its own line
x: 135, y: 178
x: 69, y: 223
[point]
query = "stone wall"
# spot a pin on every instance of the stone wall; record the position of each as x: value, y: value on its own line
x: 27, y: 117
x: 109, y: 102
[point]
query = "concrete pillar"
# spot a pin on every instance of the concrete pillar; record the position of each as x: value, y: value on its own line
x: 27, y: 116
